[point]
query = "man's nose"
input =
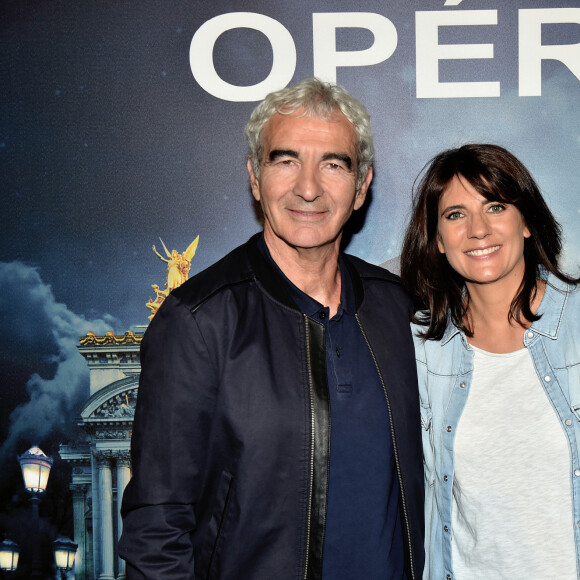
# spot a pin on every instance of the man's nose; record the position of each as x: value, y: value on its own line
x: 308, y: 185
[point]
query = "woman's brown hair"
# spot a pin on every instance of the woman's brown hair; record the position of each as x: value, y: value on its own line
x: 438, y: 291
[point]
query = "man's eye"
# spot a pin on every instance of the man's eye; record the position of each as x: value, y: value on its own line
x: 286, y: 162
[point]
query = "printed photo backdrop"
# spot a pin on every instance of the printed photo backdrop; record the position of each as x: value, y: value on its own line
x: 122, y: 123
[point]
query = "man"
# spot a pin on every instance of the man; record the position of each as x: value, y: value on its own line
x: 277, y: 431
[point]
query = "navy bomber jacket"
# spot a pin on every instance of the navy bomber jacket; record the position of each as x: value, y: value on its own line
x: 230, y: 444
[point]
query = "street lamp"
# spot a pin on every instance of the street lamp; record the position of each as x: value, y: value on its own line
x: 64, y: 555
x: 35, y: 467
x: 9, y: 552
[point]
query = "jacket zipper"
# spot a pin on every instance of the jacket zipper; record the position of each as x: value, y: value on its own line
x: 309, y: 508
x: 398, y: 466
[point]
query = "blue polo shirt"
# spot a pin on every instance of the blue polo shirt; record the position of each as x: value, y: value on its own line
x: 363, y: 527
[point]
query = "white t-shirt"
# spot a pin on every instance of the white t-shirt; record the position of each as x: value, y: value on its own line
x: 512, y: 504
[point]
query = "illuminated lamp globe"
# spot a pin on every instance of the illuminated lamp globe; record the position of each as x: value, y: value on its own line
x: 64, y: 553
x: 9, y: 552
x: 35, y: 467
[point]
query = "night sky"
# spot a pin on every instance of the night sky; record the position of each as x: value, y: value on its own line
x: 108, y: 143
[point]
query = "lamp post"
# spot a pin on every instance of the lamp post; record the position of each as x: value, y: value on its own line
x: 35, y: 467
x: 64, y: 555
x: 9, y: 552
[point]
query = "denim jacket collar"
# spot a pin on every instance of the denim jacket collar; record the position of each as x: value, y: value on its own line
x: 450, y: 332
x: 550, y: 309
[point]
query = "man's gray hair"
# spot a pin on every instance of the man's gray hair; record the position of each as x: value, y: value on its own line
x: 317, y: 99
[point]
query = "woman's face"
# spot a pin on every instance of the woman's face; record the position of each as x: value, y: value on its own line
x: 483, y: 240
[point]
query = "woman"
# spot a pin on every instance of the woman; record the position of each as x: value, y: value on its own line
x: 498, y: 357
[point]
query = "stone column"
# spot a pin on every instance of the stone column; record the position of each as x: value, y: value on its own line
x: 79, y: 493
x: 96, y: 517
x: 123, y: 476
x: 107, y: 534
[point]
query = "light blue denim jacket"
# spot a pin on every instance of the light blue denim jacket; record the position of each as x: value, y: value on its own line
x: 445, y: 370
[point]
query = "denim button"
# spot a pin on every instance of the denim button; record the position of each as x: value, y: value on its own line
x: 449, y: 428
x: 577, y: 472
x: 445, y: 478
x: 446, y: 528
x: 530, y: 335
x: 547, y: 378
x: 322, y: 315
x: 462, y: 384
x: 568, y: 422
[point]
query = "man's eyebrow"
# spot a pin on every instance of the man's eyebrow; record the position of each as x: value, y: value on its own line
x: 277, y: 153
x: 346, y: 159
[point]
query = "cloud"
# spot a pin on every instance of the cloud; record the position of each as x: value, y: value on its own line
x: 42, y: 334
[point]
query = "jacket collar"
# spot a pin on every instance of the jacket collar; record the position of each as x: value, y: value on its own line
x: 551, y: 309
x: 450, y: 332
x: 266, y: 274
x: 274, y: 284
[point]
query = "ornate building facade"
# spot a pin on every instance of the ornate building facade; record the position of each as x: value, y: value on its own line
x: 101, y: 465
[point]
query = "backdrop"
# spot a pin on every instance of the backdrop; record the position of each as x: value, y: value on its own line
x: 122, y: 123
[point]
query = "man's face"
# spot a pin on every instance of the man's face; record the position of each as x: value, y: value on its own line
x: 307, y: 183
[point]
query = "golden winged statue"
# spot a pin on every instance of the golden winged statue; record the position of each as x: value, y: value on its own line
x: 178, y: 266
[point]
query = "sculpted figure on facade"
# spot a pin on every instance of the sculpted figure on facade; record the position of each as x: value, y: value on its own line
x: 178, y: 266
x: 120, y: 406
x: 154, y: 305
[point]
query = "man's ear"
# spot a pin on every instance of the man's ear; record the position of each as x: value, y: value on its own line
x: 254, y: 184
x: 361, y: 194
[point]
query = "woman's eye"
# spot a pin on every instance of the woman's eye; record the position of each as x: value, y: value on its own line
x: 496, y: 208
x: 454, y: 215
